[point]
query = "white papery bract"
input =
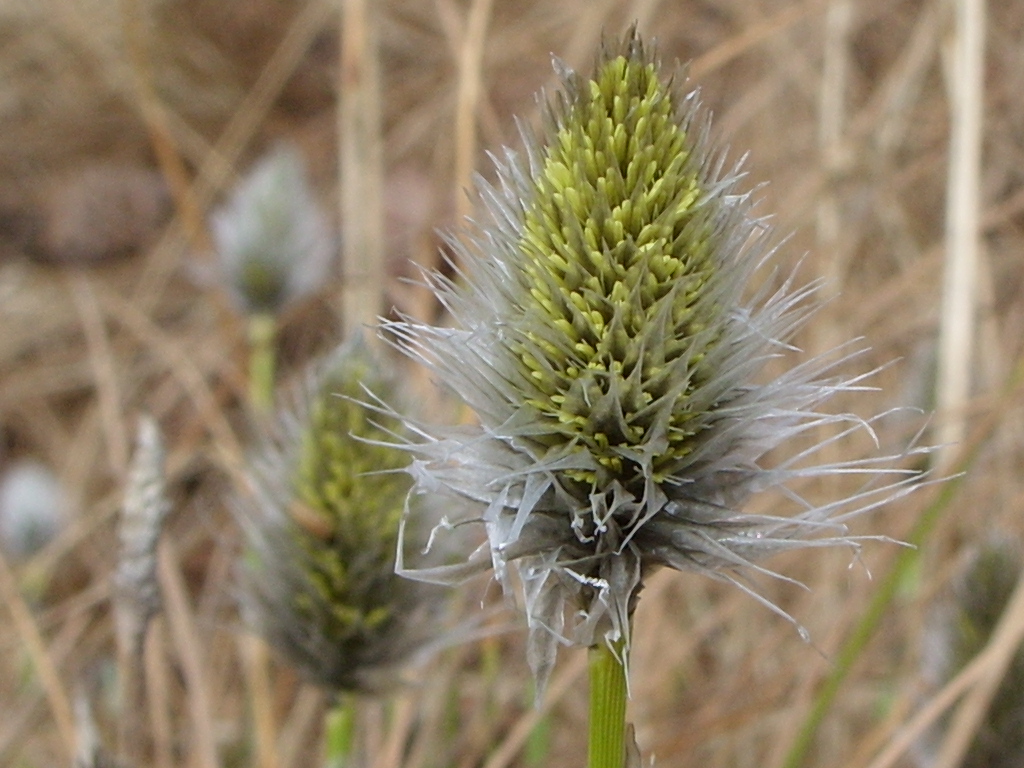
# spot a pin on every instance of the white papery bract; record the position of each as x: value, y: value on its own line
x: 608, y: 337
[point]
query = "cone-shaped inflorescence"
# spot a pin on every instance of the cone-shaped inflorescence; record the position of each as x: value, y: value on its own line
x: 608, y: 339
x: 322, y: 529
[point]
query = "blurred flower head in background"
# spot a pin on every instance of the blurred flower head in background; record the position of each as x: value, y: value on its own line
x: 321, y: 527
x: 960, y: 627
x: 608, y: 338
x: 273, y: 241
x: 32, y: 507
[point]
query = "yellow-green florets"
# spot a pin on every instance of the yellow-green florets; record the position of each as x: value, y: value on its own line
x: 347, y: 479
x: 614, y: 271
x: 605, y: 331
x: 319, y: 572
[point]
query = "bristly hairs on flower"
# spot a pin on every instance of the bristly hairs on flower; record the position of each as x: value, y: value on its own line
x: 602, y: 336
x: 321, y: 527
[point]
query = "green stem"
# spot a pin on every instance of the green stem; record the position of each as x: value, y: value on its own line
x: 538, y: 744
x: 262, y: 361
x: 607, y: 745
x: 339, y: 730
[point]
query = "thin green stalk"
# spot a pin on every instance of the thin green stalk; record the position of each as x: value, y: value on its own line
x: 906, y: 560
x: 537, y: 751
x: 339, y: 732
x: 538, y: 744
x: 262, y: 361
x: 607, y: 741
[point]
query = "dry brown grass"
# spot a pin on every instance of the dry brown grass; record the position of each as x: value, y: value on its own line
x: 847, y: 115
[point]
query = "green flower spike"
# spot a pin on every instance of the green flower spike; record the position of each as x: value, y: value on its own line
x: 322, y: 530
x: 607, y: 338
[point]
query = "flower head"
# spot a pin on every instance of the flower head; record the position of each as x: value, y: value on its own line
x: 272, y: 239
x: 605, y: 336
x: 146, y: 506
x: 322, y: 529
x: 32, y: 508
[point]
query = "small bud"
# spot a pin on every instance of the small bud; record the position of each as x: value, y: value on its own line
x: 272, y: 240
x: 32, y: 507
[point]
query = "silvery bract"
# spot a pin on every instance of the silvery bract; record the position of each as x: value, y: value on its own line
x: 607, y: 336
x: 321, y: 526
x: 272, y: 240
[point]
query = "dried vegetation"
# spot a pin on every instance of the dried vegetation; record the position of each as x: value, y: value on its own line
x: 124, y: 122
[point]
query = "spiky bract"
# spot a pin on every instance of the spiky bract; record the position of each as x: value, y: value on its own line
x: 319, y: 579
x: 605, y: 339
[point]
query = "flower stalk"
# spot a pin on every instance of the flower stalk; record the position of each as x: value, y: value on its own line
x: 262, y: 361
x: 339, y: 732
x: 608, y: 693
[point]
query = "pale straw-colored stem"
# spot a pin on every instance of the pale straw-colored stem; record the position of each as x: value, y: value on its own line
x: 32, y: 640
x: 256, y: 657
x: 828, y: 216
x: 101, y: 360
x: 401, y: 726
x: 361, y: 167
x: 154, y: 115
x: 467, y: 101
x: 957, y: 325
x: 182, y: 624
x: 297, y: 729
x: 158, y: 685
x: 831, y: 121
